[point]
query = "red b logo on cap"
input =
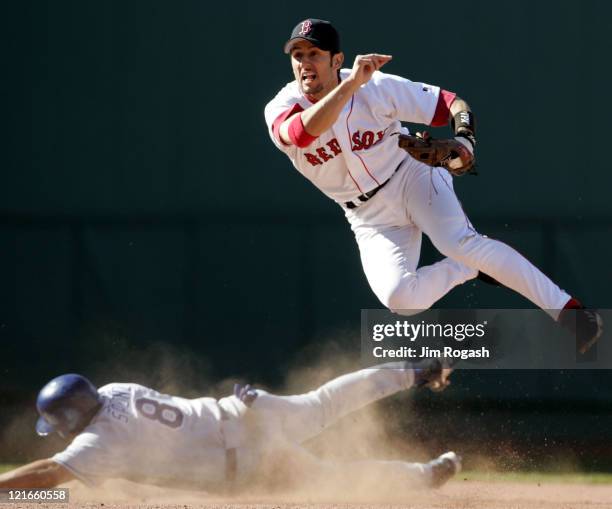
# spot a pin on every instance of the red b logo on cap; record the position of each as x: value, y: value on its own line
x: 306, y: 26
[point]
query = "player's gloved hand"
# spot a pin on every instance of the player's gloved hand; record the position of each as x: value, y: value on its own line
x: 456, y: 155
x: 466, y: 142
x: 245, y: 393
x: 457, y: 161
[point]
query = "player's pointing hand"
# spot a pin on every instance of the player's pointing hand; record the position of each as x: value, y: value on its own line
x: 365, y: 65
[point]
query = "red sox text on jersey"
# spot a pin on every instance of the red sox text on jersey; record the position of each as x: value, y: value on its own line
x: 332, y: 148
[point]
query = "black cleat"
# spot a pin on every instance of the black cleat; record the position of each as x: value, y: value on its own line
x: 585, y: 324
x: 443, y: 468
x: 432, y: 373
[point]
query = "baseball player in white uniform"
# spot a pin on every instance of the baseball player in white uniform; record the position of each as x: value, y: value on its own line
x: 128, y: 431
x: 339, y: 129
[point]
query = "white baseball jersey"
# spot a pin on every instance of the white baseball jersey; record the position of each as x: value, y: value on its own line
x: 142, y: 435
x: 359, y: 152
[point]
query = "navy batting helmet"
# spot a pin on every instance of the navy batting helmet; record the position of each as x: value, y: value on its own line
x: 66, y: 405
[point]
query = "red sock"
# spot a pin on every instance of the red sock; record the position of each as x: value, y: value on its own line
x: 573, y: 304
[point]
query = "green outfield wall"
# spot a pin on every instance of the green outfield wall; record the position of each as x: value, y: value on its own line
x: 142, y: 203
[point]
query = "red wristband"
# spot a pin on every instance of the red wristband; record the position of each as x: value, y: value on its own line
x: 297, y: 133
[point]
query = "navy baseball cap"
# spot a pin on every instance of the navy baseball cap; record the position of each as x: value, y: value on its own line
x: 319, y: 32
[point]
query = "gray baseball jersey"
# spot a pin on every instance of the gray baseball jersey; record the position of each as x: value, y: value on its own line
x: 145, y: 436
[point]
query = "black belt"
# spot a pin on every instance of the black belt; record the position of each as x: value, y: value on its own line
x: 231, y: 462
x: 353, y: 204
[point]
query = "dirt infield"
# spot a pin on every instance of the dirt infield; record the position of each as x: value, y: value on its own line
x: 459, y: 494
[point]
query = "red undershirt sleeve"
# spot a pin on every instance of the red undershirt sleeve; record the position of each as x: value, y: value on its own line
x: 445, y: 99
x: 296, y: 108
x: 297, y: 133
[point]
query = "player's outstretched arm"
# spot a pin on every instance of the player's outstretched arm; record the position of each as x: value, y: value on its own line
x: 319, y: 117
x: 38, y: 474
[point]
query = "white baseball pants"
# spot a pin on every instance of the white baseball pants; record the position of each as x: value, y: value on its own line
x: 276, y: 426
x: 419, y: 199
x: 304, y: 416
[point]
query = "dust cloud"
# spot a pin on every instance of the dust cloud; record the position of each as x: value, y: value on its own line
x: 333, y: 467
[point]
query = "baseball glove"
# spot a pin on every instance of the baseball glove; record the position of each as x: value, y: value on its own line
x: 451, y: 154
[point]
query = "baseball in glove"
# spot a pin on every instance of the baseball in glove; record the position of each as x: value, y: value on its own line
x: 452, y: 154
